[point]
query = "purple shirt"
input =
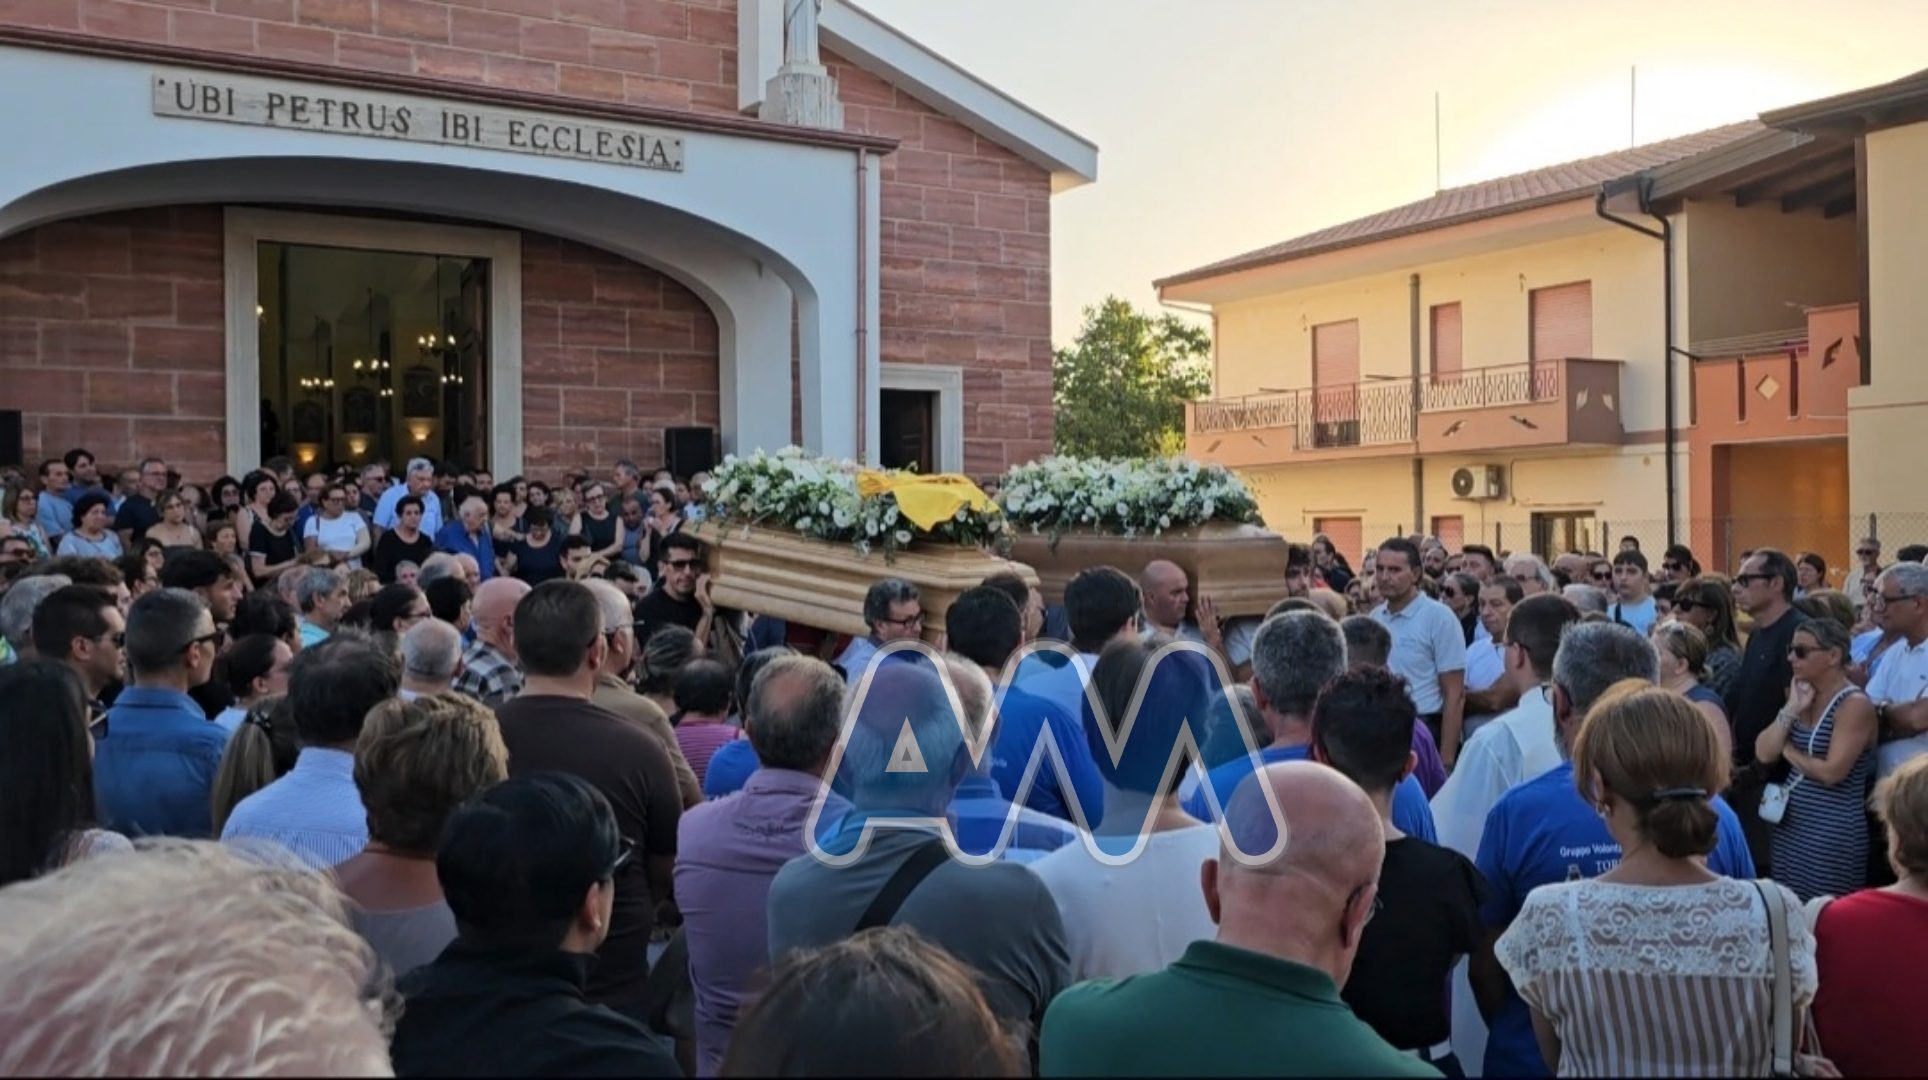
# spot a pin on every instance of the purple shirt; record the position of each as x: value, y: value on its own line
x: 1430, y: 771
x: 727, y: 853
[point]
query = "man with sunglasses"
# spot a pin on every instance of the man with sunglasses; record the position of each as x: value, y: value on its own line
x: 1869, y: 552
x: 1764, y: 589
x: 1900, y: 682
x: 532, y: 869
x: 682, y: 593
x: 81, y: 626
x: 155, y: 764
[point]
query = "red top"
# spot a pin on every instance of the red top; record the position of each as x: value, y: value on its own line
x: 1869, y: 1008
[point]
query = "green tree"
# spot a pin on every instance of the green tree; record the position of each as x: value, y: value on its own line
x: 1120, y: 389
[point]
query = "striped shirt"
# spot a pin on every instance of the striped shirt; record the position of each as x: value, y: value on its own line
x: 315, y: 811
x: 1821, y: 844
x: 699, y: 739
x: 1642, y: 980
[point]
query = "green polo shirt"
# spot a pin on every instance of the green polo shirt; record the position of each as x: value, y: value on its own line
x: 1218, y: 1011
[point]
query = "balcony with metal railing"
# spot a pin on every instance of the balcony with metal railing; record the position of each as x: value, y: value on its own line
x: 1548, y: 404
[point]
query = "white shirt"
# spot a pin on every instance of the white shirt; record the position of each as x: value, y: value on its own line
x: 341, y: 534
x: 1135, y: 918
x: 1427, y: 642
x: 1502, y: 754
x: 1901, y: 677
x: 1484, y: 664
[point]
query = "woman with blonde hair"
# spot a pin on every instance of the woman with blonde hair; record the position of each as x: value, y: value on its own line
x: 261, y: 750
x: 1683, y: 664
x: 1659, y: 967
x: 415, y: 762
x: 1868, y: 1012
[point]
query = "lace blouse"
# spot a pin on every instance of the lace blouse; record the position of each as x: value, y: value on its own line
x: 1643, y: 980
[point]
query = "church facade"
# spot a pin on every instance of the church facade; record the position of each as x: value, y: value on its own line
x: 523, y: 234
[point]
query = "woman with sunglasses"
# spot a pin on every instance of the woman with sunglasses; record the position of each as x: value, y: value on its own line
x: 1460, y: 592
x: 1706, y: 603
x: 46, y: 773
x: 1826, y: 735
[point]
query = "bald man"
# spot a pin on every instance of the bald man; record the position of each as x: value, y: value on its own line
x: 1263, y: 998
x: 489, y: 671
x: 1166, y: 594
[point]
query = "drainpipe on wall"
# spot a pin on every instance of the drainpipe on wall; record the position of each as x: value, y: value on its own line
x: 863, y: 307
x: 1665, y: 234
x: 1419, y: 463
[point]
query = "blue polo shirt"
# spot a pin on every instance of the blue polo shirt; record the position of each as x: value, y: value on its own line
x: 1410, y: 812
x: 154, y: 768
x: 55, y: 516
x: 1542, y: 832
x: 454, y: 539
x: 431, y: 509
x: 1022, y: 717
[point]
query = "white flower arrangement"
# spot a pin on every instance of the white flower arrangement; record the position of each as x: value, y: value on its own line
x: 820, y: 498
x: 1122, y: 496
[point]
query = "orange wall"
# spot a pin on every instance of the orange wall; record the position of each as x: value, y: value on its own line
x: 1793, y: 496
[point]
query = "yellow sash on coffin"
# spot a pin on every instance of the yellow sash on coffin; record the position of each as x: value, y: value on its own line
x: 927, y: 501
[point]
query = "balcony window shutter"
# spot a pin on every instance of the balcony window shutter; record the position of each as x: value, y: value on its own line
x: 1562, y: 322
x: 1448, y: 360
x: 1335, y: 372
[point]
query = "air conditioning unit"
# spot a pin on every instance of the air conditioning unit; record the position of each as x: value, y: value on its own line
x: 1479, y: 482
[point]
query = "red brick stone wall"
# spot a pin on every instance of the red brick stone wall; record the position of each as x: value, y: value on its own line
x: 612, y: 353
x: 966, y: 266
x: 678, y: 54
x: 111, y: 338
x: 965, y: 223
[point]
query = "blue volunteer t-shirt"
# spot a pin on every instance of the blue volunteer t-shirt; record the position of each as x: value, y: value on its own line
x: 1022, y: 717
x: 1541, y: 832
x: 1410, y: 812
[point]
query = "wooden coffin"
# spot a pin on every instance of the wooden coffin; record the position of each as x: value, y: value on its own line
x: 817, y: 583
x: 1242, y: 567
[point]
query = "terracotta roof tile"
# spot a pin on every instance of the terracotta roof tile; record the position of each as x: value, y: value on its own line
x: 1488, y: 198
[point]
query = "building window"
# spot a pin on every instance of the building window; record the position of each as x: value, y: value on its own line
x: 1559, y: 532
x: 1448, y: 359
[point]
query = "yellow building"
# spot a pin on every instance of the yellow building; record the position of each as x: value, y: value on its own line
x: 1672, y: 342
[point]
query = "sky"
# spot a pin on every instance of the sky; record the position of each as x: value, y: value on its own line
x: 1227, y: 125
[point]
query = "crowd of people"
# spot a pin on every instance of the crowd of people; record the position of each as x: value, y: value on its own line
x: 348, y: 773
